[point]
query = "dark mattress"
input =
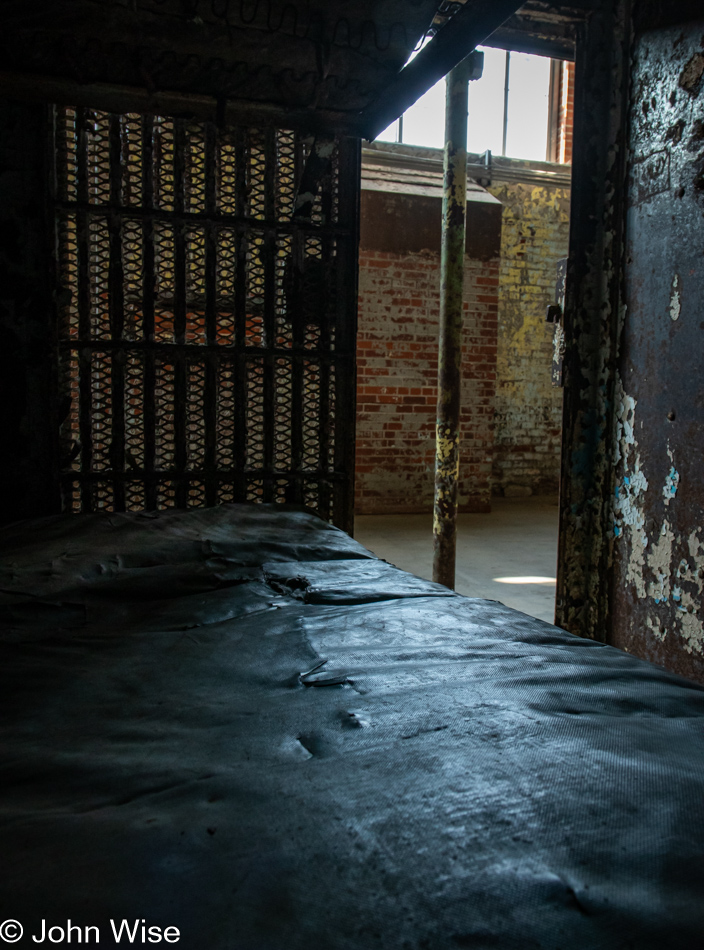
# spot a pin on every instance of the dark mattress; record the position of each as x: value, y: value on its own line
x: 239, y: 723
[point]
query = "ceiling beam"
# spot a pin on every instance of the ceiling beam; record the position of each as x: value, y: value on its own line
x: 546, y: 29
x: 539, y: 43
x: 469, y: 27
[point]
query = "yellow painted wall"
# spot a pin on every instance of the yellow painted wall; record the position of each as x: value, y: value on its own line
x: 528, y: 409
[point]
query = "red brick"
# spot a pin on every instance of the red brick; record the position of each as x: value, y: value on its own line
x: 400, y: 332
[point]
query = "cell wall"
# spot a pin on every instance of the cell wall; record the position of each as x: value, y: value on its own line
x: 528, y: 409
x: 396, y: 382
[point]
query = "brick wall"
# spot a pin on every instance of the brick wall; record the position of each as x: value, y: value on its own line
x: 528, y: 409
x: 397, y: 373
x: 508, y: 344
x: 565, y: 114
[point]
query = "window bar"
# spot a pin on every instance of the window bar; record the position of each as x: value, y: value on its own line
x: 324, y: 446
x: 210, y: 369
x: 241, y: 237
x: 269, y: 322
x: 552, y: 151
x: 345, y: 334
x: 325, y: 427
x: 506, y: 83
x: 83, y: 292
x: 61, y: 145
x: 239, y: 399
x: 116, y: 313
x: 240, y: 363
x: 324, y: 438
x: 180, y: 309
x: 295, y: 317
x: 148, y: 285
x: 58, y: 148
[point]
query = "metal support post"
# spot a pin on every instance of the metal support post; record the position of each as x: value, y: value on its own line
x: 454, y: 210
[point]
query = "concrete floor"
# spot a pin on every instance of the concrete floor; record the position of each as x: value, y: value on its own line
x: 509, y: 555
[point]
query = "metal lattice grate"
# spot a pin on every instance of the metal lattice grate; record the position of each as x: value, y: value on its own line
x: 207, y: 314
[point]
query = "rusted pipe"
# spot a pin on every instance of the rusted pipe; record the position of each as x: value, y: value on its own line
x: 454, y: 209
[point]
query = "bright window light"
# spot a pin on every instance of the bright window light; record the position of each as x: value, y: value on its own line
x: 390, y: 133
x: 424, y: 122
x: 527, y: 115
x: 486, y: 104
x: 529, y: 89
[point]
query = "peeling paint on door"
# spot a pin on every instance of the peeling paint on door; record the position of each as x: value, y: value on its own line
x: 675, y: 298
x: 629, y: 519
x: 672, y: 481
x: 654, y: 567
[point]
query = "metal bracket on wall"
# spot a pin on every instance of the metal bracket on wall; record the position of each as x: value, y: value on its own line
x: 481, y: 171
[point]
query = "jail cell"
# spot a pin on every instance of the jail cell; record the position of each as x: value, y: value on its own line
x: 206, y: 314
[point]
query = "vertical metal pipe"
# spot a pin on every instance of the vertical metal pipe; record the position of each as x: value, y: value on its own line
x: 447, y: 436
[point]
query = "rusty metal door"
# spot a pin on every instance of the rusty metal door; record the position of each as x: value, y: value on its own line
x: 658, y: 506
x: 207, y: 314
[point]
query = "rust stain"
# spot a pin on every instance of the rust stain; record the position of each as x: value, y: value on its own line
x: 691, y: 75
x: 674, y: 133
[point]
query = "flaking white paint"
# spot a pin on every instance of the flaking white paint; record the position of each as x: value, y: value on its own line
x: 655, y: 565
x: 675, y: 298
x: 628, y: 514
x: 659, y: 561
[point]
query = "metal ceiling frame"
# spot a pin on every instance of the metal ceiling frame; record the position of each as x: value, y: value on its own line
x: 467, y: 29
x: 531, y: 26
x: 546, y: 29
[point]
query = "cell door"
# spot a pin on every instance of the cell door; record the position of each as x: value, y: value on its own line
x: 207, y: 313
